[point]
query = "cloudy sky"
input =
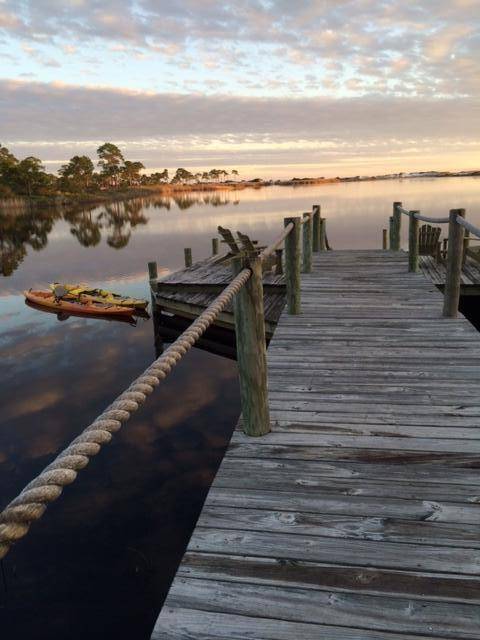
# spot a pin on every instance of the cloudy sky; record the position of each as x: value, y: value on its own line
x: 271, y: 87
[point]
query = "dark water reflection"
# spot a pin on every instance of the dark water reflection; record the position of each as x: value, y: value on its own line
x: 99, y: 563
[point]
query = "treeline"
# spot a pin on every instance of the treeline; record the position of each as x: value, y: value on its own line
x: 28, y: 177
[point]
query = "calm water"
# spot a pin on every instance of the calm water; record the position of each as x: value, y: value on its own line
x: 98, y: 565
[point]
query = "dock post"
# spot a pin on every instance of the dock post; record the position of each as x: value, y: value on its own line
x: 188, y: 257
x: 397, y: 226
x: 323, y: 234
x: 152, y: 272
x: 391, y: 238
x: 466, y: 244
x: 278, y: 262
x: 292, y: 266
x: 316, y: 228
x: 412, y: 242
x: 307, y: 243
x: 451, y: 296
x: 384, y: 240
x: 215, y: 245
x: 251, y: 348
x: 156, y: 314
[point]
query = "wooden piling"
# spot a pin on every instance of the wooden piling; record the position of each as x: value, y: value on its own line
x: 323, y: 234
x: 215, y: 246
x: 292, y: 266
x: 188, y: 256
x: 391, y: 233
x: 397, y: 226
x: 384, y: 240
x: 307, y: 243
x: 454, y: 264
x: 466, y: 244
x: 278, y: 262
x: 152, y: 271
x: 413, y: 242
x: 316, y: 228
x: 251, y: 348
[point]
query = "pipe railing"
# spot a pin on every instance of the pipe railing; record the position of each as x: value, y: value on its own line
x: 246, y: 292
x: 454, y: 247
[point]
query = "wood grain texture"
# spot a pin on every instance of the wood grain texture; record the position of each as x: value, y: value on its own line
x: 357, y: 517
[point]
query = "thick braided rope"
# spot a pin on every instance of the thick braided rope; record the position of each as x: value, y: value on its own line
x: 32, y: 502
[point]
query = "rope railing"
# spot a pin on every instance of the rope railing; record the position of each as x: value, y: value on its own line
x: 32, y: 502
x: 455, y: 247
x: 276, y: 244
x: 417, y: 215
x: 468, y: 226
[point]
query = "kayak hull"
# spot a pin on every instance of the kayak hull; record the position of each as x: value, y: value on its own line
x: 47, y: 299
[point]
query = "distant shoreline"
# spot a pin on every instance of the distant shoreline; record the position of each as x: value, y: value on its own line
x: 143, y: 191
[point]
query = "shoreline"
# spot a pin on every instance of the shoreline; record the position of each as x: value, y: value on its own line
x: 142, y: 191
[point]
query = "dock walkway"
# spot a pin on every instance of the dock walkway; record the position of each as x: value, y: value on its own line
x: 357, y: 517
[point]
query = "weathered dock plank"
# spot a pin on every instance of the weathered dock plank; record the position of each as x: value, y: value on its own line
x: 436, y: 272
x: 357, y: 517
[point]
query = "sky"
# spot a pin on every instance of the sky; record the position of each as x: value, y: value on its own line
x: 274, y: 88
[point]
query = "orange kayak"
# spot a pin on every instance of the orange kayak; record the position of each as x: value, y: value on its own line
x: 47, y: 299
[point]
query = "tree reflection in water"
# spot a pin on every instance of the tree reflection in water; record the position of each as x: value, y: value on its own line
x: 22, y: 226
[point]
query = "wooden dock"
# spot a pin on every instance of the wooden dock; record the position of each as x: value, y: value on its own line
x: 357, y: 517
x: 469, y: 279
x: 187, y: 292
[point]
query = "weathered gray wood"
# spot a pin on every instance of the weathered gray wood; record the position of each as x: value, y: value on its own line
x: 215, y: 246
x: 152, y: 272
x: 278, y: 262
x: 178, y: 623
x: 413, y: 242
x: 316, y: 228
x: 328, y: 607
x: 391, y: 232
x: 188, y: 257
x: 466, y: 244
x: 454, y: 264
x: 358, y: 515
x: 397, y: 226
x: 292, y: 266
x: 307, y: 243
x: 323, y: 235
x: 251, y: 349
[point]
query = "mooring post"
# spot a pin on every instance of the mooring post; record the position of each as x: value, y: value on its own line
x: 316, y: 228
x: 323, y: 234
x: 251, y: 348
x: 156, y: 313
x: 278, y: 262
x: 292, y: 266
x: 451, y: 295
x: 397, y: 226
x: 188, y: 257
x: 466, y: 244
x: 215, y: 246
x: 391, y: 232
x: 307, y: 243
x: 152, y: 272
x: 384, y: 240
x: 412, y: 241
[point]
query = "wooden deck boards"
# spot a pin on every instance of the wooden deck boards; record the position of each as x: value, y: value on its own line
x: 470, y: 277
x: 187, y: 292
x: 358, y: 517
